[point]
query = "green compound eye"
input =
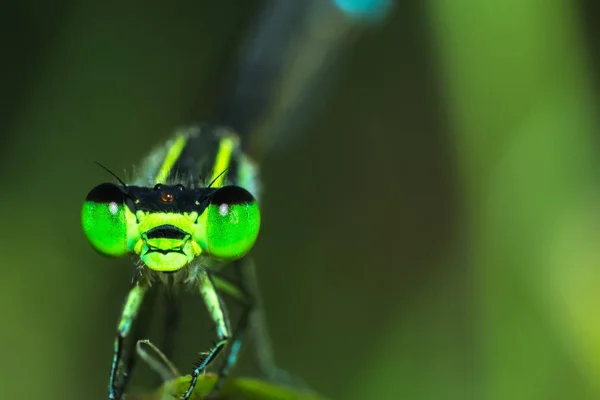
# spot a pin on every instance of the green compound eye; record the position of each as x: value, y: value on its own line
x: 104, y: 221
x: 232, y: 223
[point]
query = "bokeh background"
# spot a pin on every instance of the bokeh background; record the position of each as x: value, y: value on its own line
x: 432, y: 234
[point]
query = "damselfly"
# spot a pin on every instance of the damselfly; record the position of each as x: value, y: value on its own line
x: 193, y: 210
x: 183, y: 229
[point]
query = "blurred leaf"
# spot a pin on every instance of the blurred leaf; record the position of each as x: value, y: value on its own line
x: 233, y: 389
x: 519, y: 98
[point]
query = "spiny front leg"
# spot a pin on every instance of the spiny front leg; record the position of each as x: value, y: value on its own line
x: 232, y: 352
x: 218, y: 313
x: 119, y: 372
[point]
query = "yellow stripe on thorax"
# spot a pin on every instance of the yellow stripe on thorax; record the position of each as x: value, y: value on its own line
x: 226, y: 148
x: 171, y: 158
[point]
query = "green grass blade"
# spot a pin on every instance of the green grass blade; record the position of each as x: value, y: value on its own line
x: 233, y: 389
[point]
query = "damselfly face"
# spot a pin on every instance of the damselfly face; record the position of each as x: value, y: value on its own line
x: 169, y: 226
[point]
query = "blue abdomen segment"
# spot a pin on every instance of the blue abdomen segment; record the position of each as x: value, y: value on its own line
x: 370, y: 10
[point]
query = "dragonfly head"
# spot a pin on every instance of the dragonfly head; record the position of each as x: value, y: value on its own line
x: 169, y: 226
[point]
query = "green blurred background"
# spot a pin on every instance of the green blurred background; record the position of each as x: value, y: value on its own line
x: 432, y: 235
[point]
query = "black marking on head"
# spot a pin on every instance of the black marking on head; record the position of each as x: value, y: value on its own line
x: 129, y: 199
x: 184, y: 200
x: 107, y: 193
x: 166, y: 232
x: 161, y: 251
x: 167, y: 197
x: 231, y: 195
